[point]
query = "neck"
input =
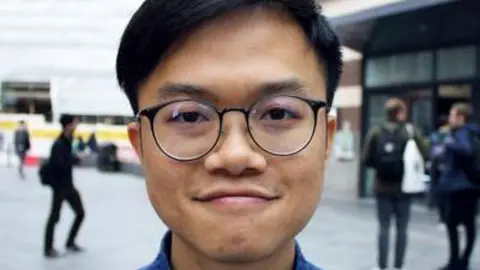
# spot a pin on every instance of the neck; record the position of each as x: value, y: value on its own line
x: 66, y: 135
x: 184, y: 257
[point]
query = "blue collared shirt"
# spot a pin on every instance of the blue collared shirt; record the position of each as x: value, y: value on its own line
x: 162, y: 262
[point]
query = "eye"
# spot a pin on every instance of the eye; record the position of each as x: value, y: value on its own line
x: 278, y: 114
x: 188, y: 117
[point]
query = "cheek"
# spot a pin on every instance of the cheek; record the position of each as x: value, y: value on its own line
x: 313, y: 163
x: 164, y: 179
x: 304, y: 172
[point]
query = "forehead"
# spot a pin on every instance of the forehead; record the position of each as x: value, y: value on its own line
x: 233, y: 54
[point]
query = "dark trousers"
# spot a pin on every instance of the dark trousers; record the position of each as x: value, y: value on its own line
x: 21, y: 158
x: 72, y: 196
x: 460, y: 208
x: 388, y: 206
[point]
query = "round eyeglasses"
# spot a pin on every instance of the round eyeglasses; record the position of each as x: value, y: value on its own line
x: 186, y: 130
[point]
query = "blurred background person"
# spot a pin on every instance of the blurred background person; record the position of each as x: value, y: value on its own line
x: 79, y: 146
x: 459, y: 194
x: 2, y: 141
x: 92, y: 143
x: 79, y: 149
x: 384, y: 151
x: 62, y: 160
x: 21, y: 143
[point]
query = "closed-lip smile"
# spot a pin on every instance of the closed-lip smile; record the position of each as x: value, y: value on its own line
x: 239, y: 193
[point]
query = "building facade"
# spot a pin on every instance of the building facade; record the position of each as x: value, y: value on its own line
x: 426, y: 52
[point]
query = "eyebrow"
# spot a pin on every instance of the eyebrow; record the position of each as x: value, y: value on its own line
x: 173, y: 89
x: 288, y: 86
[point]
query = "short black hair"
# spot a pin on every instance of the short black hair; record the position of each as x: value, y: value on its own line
x: 157, y: 24
x: 66, y: 119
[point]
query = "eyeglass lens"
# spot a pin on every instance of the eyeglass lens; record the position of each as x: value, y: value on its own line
x: 189, y: 129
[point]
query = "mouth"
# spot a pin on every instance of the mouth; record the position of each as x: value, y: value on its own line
x: 236, y: 197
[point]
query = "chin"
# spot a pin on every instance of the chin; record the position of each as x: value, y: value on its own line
x: 240, y: 258
x: 247, y: 243
x: 230, y: 252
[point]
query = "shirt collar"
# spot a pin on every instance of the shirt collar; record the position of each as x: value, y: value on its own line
x: 162, y: 262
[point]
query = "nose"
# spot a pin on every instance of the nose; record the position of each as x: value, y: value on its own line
x: 234, y: 154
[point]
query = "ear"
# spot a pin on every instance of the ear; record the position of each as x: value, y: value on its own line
x: 331, y: 131
x: 134, y: 136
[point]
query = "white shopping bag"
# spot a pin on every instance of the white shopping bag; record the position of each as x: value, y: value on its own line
x: 414, y: 166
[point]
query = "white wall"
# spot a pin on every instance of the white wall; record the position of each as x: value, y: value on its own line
x: 71, y: 44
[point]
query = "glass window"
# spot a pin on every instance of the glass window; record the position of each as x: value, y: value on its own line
x: 399, y: 69
x: 377, y: 72
x: 119, y: 120
x: 26, y: 98
x: 376, y: 111
x: 91, y: 119
x: 105, y: 119
x: 422, y: 117
x: 456, y: 63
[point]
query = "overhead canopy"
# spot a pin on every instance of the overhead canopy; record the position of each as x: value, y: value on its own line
x: 408, y: 25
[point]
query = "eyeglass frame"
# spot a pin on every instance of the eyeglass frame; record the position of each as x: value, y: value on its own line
x: 151, y: 113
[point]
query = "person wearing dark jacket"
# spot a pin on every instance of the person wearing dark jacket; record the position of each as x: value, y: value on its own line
x: 437, y: 149
x: 460, y: 195
x: 390, y: 199
x: 92, y: 143
x: 21, y: 143
x: 61, y: 163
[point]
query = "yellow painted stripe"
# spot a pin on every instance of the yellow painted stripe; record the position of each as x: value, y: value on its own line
x: 50, y: 133
x: 44, y: 133
x: 111, y: 135
x: 7, y: 125
x: 101, y: 135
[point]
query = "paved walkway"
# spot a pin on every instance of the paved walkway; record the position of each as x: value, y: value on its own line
x: 122, y: 232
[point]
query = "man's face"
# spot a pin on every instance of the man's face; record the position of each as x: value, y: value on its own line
x: 402, y: 116
x: 230, y: 57
x: 70, y: 129
x: 455, y: 119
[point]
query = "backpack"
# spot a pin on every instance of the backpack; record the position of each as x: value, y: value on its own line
x: 473, y: 164
x: 388, y: 155
x: 45, y: 173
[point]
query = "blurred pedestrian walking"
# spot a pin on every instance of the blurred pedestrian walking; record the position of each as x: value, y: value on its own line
x: 60, y: 167
x: 21, y: 144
